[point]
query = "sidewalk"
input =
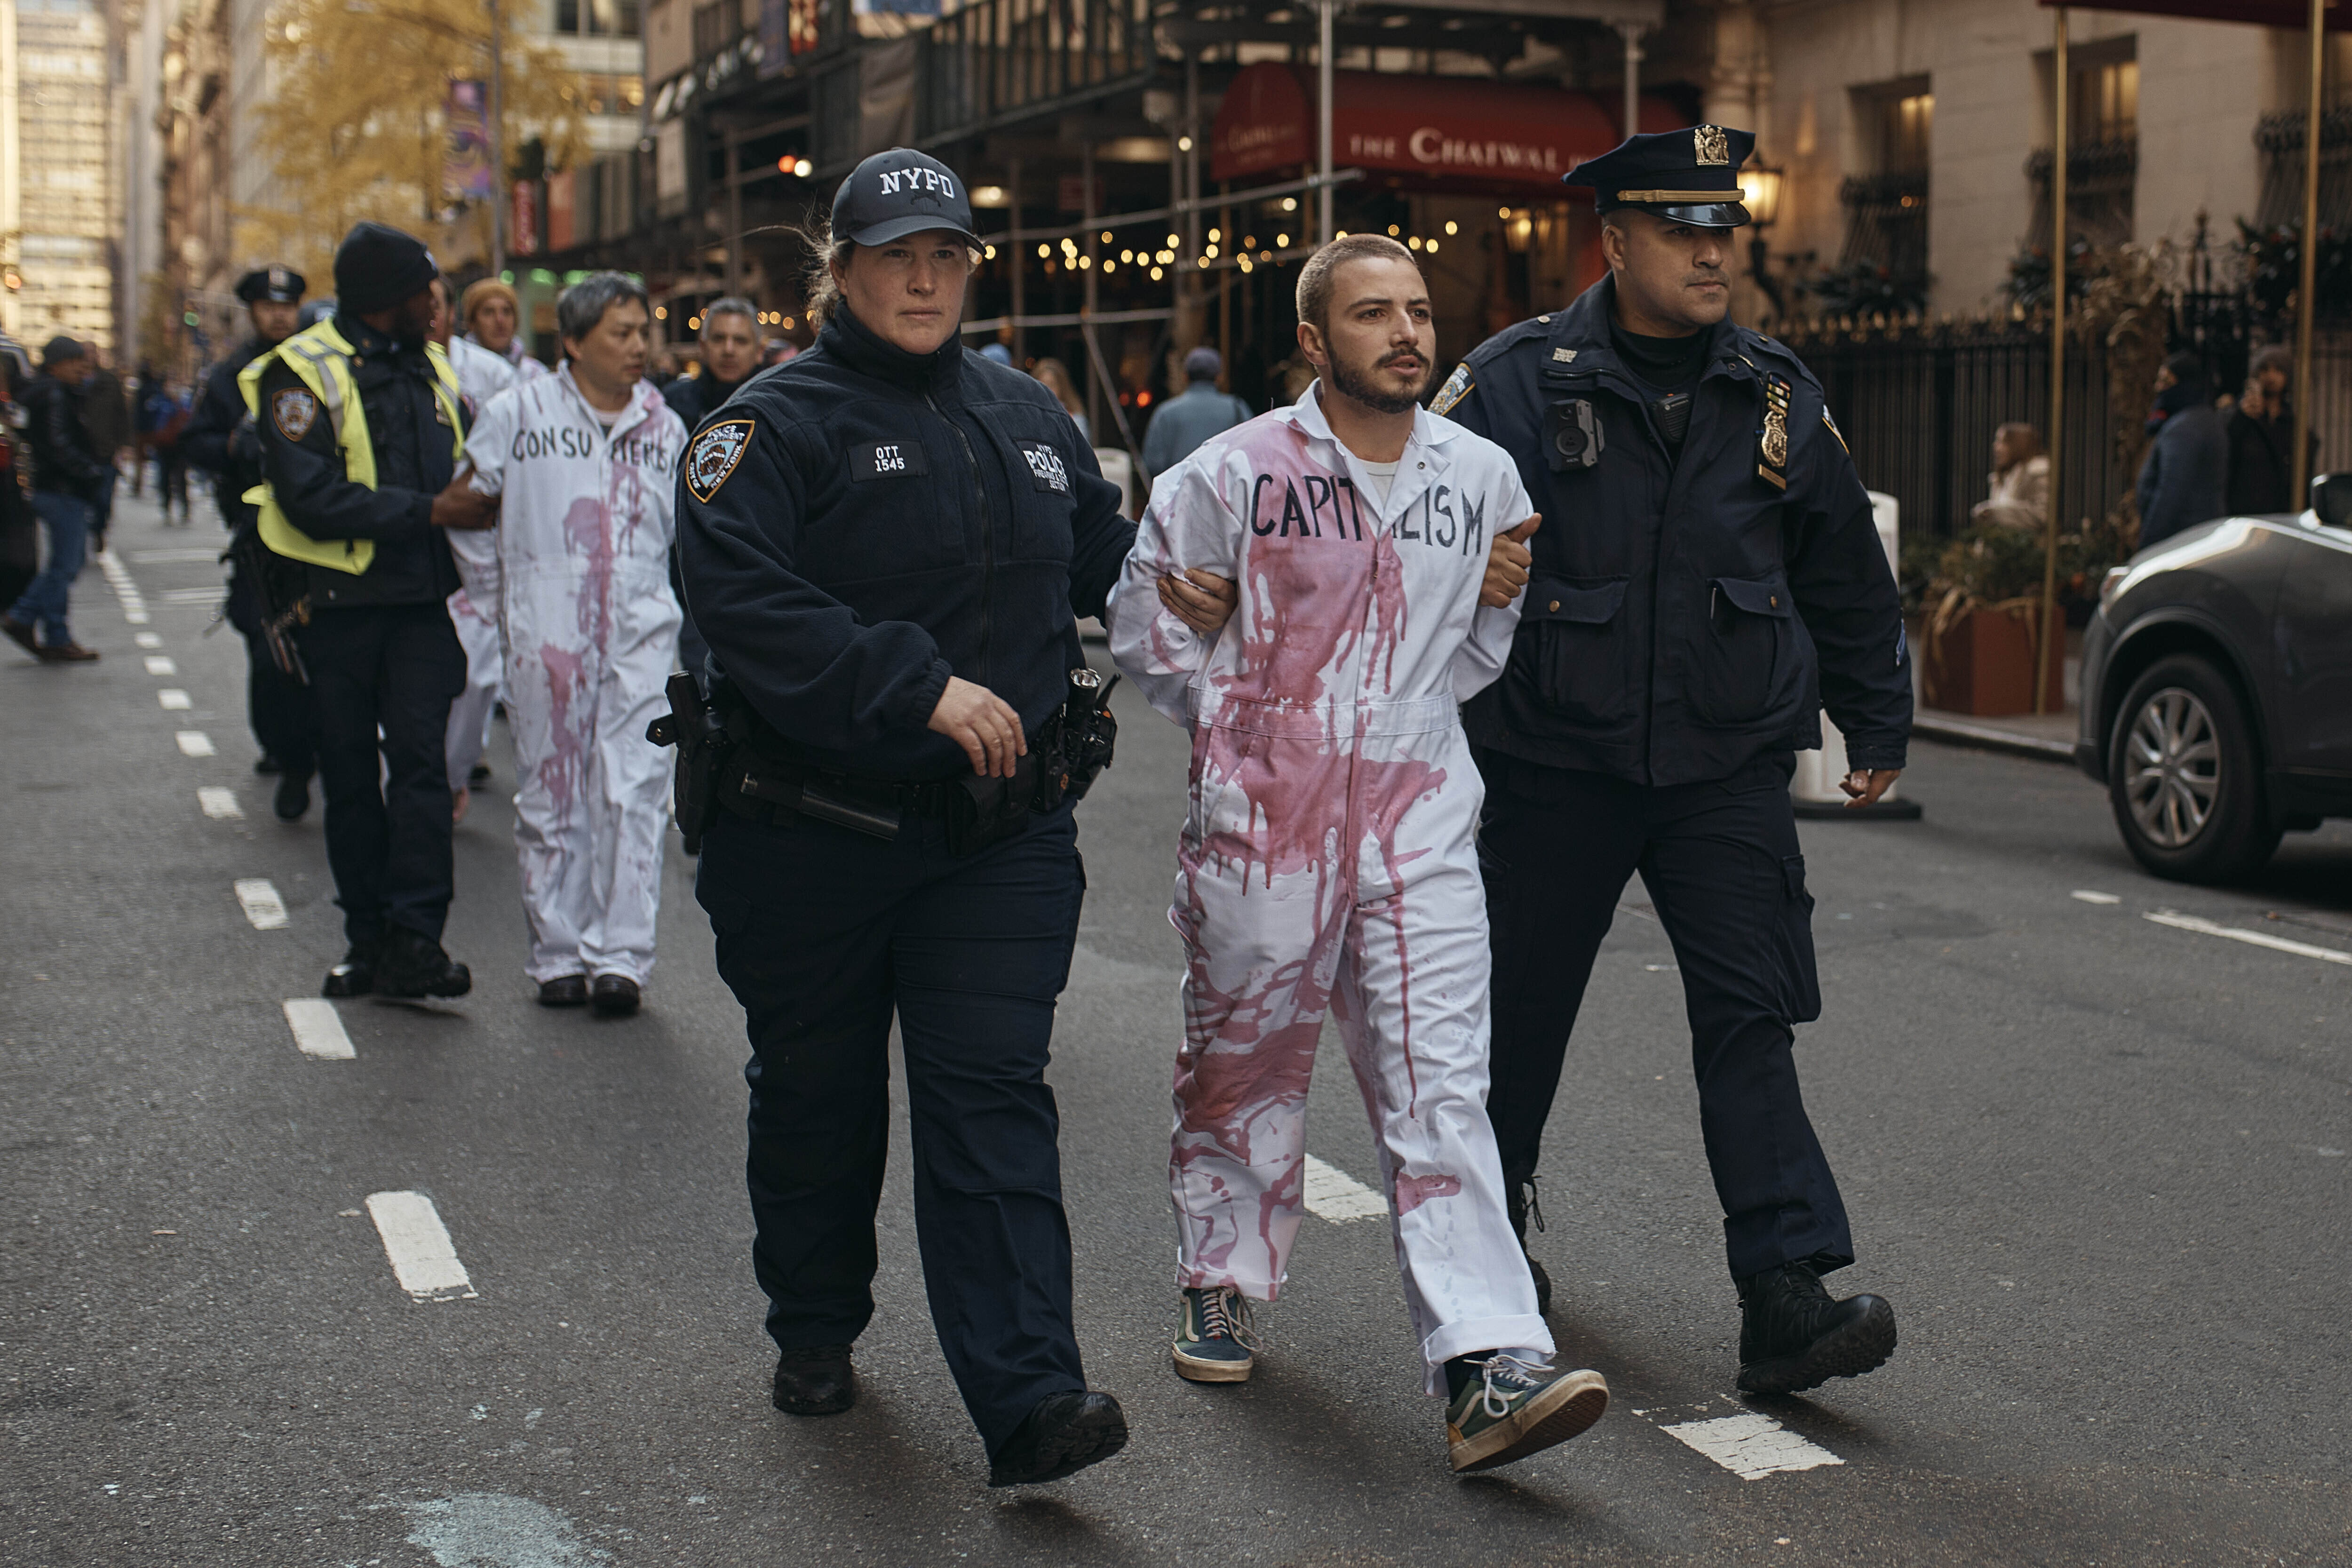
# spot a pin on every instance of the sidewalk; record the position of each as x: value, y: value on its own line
x: 2050, y: 736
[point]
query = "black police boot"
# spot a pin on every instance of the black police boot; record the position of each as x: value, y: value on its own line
x: 815, y: 1381
x: 1064, y: 1435
x: 293, y: 796
x: 1520, y: 1198
x: 409, y: 964
x: 266, y: 764
x: 1793, y: 1336
x: 615, y: 995
x: 355, y: 975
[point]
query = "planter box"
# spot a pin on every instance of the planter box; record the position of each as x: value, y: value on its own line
x: 1983, y: 665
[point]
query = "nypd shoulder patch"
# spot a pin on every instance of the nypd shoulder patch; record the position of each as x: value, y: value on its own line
x: 1457, y: 387
x: 714, y: 456
x: 295, y: 411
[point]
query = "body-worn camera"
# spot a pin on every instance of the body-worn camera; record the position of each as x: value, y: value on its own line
x: 1572, y: 437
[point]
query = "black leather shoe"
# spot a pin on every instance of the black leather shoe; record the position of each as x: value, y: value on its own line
x: 616, y: 996
x: 1793, y: 1336
x: 266, y: 764
x: 293, y: 797
x: 1519, y: 1199
x: 816, y: 1380
x: 479, y: 776
x: 411, y: 965
x: 565, y: 991
x: 1064, y: 1435
x: 355, y: 975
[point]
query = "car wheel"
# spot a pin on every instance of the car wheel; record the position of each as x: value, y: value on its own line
x: 2182, y: 775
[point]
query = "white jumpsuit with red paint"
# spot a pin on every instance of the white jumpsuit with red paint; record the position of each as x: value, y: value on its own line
x: 482, y: 374
x: 1327, y: 861
x: 591, y: 626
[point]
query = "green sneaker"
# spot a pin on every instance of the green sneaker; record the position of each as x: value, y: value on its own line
x: 1213, y: 1342
x: 1519, y: 1406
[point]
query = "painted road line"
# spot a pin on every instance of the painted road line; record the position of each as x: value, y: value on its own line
x: 1333, y: 1195
x: 2252, y: 938
x: 172, y: 557
x: 194, y: 743
x: 173, y: 699
x: 147, y: 640
x: 319, y: 1028
x: 418, y: 1245
x: 191, y: 596
x: 126, y: 591
x: 2089, y: 896
x: 262, y: 905
x: 158, y: 665
x: 219, y: 803
x: 1751, y: 1447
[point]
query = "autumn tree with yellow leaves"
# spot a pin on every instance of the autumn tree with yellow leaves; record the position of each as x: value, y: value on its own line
x: 355, y: 126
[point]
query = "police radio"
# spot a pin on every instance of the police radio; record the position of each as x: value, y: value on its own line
x: 1572, y: 437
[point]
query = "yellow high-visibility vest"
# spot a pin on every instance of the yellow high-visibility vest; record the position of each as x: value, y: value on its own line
x: 322, y: 356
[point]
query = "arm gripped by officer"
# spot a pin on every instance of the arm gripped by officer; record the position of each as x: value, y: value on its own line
x: 305, y: 469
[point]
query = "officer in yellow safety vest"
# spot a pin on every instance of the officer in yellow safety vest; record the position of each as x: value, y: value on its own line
x: 361, y: 432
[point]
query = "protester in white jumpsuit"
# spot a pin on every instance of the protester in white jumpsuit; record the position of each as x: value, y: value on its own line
x: 591, y: 637
x: 1327, y: 862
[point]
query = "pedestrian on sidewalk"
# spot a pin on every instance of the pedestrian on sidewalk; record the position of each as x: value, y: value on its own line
x: 1712, y: 579
x: 1328, y: 865
x: 2019, y: 483
x: 2261, y: 439
x: 68, y: 474
x: 886, y: 842
x: 165, y: 413
x: 221, y: 438
x: 488, y: 358
x: 360, y: 434
x: 105, y: 409
x: 1193, y: 415
x: 2184, y: 480
x: 585, y: 463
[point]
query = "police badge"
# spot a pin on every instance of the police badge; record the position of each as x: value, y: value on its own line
x: 1709, y: 146
x: 715, y: 454
x: 295, y: 410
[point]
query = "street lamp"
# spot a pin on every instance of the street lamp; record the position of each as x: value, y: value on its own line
x: 1759, y: 192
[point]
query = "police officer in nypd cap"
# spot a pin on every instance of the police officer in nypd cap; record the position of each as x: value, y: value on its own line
x: 1711, y: 581
x: 886, y: 543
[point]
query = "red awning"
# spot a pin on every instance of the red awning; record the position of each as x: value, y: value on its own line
x: 1458, y: 129
x: 2291, y: 14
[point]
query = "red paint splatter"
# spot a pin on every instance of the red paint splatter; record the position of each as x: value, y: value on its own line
x: 1411, y: 1192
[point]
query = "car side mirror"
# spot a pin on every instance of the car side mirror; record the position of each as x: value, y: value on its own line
x: 2331, y: 498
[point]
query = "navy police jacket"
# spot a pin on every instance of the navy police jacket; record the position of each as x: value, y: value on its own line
x: 859, y: 523
x: 1684, y: 615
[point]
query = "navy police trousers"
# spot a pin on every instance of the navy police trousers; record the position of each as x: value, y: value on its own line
x: 1724, y: 872
x: 823, y: 934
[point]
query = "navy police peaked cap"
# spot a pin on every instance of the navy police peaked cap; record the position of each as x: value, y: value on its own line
x: 1691, y: 176
x: 282, y: 284
x: 893, y: 194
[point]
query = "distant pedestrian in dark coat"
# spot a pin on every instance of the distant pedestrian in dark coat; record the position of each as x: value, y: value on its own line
x: 1193, y: 415
x: 2262, y: 438
x: 2184, y: 480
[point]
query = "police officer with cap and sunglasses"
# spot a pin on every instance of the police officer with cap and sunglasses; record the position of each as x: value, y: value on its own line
x: 887, y: 542
x: 1714, y: 580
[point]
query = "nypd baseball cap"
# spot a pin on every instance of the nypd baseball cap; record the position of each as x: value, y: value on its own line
x: 893, y: 194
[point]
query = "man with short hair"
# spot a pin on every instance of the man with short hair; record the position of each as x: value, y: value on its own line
x: 221, y: 440
x: 360, y: 433
x: 1193, y: 415
x: 585, y: 464
x: 730, y: 356
x: 2262, y: 438
x: 1712, y: 579
x: 1328, y: 865
x: 68, y: 472
x: 2184, y: 479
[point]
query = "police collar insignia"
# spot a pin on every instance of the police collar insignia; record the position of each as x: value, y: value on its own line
x: 1457, y: 387
x: 715, y: 452
x: 295, y: 410
x: 1772, y: 440
x: 1709, y: 145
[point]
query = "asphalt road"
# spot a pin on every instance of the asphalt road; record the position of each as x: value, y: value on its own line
x: 2098, y: 1163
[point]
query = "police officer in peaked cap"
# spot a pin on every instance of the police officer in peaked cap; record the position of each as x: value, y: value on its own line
x: 886, y: 543
x: 1713, y: 580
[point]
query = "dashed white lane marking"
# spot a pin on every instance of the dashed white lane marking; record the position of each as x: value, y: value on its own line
x: 262, y: 905
x: 194, y: 743
x: 319, y: 1028
x: 419, y: 1244
x: 219, y: 803
x: 170, y: 557
x: 2252, y: 938
x: 1752, y: 1446
x: 191, y: 596
x: 1333, y: 1195
x: 2089, y: 896
x: 147, y: 640
x: 126, y: 591
x: 173, y: 699
x: 158, y: 665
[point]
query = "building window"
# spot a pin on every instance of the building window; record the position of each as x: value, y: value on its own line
x: 2102, y: 146
x: 597, y: 18
x: 1886, y: 210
